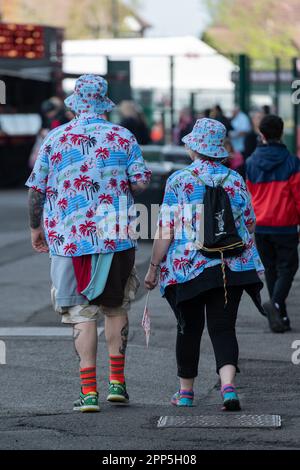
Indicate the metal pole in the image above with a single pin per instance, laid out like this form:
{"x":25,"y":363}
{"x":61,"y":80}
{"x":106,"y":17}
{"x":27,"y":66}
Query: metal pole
{"x":163,"y":120}
{"x":277,"y":85}
{"x":115,"y":17}
{"x":172,"y":94}
{"x":192,"y":105}
{"x":244,"y":88}
{"x":296,"y":108}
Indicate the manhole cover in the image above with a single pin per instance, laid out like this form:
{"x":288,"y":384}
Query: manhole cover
{"x":220,"y":421}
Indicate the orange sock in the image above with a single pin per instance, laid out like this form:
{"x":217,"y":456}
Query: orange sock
{"x":88,"y":380}
{"x":117,"y":366}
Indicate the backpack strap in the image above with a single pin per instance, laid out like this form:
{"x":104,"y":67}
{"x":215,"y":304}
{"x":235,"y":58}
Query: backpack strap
{"x":196,"y":176}
{"x":226,"y":178}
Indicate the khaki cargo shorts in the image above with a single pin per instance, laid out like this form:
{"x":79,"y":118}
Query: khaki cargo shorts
{"x":89,"y":313}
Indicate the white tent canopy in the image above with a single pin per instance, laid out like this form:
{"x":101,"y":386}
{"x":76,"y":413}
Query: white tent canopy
{"x":197,"y":65}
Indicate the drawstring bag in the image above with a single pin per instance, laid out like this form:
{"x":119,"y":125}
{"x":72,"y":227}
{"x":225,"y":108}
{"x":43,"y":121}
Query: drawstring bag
{"x":221,"y":238}
{"x":220,"y":235}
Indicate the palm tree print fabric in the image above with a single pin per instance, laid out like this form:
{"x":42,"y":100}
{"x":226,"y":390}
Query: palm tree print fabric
{"x":80,"y":166}
{"x":183,"y":262}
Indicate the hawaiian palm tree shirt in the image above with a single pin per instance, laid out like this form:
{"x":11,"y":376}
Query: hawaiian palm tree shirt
{"x":185,"y":189}
{"x":82,"y":165}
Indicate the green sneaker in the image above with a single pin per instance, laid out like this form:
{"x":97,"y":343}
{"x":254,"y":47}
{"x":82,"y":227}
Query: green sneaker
{"x":87,"y":403}
{"x":117,"y":393}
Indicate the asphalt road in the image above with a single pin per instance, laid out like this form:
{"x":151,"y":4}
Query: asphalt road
{"x":40,"y":379}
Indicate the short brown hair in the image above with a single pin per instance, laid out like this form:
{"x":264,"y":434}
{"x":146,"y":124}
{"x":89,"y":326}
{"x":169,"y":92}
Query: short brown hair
{"x":272,"y":127}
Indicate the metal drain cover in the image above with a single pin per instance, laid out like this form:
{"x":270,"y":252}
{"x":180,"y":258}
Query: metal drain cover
{"x":220,"y":421}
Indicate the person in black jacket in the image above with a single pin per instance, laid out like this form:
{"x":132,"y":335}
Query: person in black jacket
{"x":217,"y":113}
{"x":273,"y":179}
{"x":133,"y":120}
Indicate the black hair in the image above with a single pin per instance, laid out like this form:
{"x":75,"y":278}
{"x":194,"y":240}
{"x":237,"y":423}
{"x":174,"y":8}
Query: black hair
{"x":266,"y":110}
{"x":47,"y":107}
{"x":272,"y":127}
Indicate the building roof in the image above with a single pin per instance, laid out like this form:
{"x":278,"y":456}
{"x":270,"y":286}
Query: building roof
{"x":187,"y":46}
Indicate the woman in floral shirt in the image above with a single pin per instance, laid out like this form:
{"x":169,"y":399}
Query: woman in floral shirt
{"x":193,"y":283}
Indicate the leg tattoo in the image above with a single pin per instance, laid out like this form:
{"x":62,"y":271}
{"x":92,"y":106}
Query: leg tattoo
{"x":76,"y":334}
{"x":124,"y":338}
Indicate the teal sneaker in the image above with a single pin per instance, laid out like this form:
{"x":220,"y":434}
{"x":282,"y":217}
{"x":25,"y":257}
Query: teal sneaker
{"x":230,"y":397}
{"x":88,"y":403}
{"x":183,"y":398}
{"x":118,"y":393}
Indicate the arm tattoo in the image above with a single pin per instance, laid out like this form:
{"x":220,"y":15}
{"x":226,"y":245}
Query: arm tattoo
{"x":36,"y":206}
{"x":124,"y":338}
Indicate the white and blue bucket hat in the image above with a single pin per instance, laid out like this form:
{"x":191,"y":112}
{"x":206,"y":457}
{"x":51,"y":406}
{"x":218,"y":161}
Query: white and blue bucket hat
{"x":207,"y":138}
{"x":90,"y":96}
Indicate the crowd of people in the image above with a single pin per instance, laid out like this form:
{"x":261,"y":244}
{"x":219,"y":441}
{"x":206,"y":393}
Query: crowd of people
{"x":242,"y":131}
{"x":90,"y":161}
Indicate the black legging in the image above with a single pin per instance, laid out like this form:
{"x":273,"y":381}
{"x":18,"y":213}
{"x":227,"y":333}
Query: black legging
{"x":220,"y":323}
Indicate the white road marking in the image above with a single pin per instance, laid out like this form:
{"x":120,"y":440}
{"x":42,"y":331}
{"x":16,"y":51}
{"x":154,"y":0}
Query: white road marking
{"x":41,"y":332}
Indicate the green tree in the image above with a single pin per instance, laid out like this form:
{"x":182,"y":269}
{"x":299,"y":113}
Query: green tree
{"x":94,"y":19}
{"x":263,"y":29}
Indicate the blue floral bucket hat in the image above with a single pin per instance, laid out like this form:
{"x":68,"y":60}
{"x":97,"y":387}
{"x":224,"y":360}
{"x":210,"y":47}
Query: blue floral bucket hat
{"x":207,"y":138}
{"x":90,"y":96}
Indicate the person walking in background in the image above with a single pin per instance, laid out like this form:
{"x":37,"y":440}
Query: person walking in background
{"x":241,"y":125}
{"x":133,"y":119}
{"x":158,"y":133}
{"x":236,"y":159}
{"x":53,"y":114}
{"x":185,"y":125}
{"x":274,"y":183}
{"x":193,"y":282}
{"x":205,"y":113}
{"x":83,"y":169}
{"x":266,"y":110}
{"x":218,"y":114}
{"x":253,"y":139}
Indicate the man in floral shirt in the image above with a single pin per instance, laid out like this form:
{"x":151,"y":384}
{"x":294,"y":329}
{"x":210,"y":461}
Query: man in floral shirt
{"x":84,"y":169}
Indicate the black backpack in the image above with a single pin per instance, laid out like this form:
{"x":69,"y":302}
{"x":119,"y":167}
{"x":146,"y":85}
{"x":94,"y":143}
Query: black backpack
{"x":221,"y":238}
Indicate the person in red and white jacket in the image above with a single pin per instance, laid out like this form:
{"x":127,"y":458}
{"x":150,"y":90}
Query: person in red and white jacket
{"x":273,"y":179}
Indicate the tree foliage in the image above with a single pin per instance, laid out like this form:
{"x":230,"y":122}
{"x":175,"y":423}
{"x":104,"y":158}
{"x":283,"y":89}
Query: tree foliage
{"x":96,"y":19}
{"x":263,"y":29}
{"x":81,"y":18}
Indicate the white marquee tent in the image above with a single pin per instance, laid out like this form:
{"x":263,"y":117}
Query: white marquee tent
{"x":197,"y":65}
